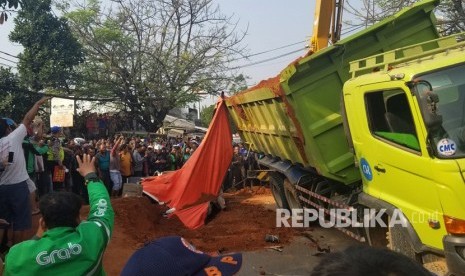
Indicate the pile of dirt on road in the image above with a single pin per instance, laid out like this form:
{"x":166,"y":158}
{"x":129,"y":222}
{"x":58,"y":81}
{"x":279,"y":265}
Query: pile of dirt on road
{"x":242,"y":227}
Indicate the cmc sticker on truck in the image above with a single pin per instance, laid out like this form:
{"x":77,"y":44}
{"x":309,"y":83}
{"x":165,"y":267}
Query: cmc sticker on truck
{"x":446,"y":147}
{"x":366,"y":170}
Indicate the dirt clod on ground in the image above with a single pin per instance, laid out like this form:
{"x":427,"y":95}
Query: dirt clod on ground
{"x":241,"y":227}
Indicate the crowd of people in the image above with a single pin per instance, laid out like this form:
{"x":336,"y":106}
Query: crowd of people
{"x":117,"y":159}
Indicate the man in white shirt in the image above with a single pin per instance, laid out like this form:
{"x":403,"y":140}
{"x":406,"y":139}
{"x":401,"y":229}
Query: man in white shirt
{"x":14,"y":193}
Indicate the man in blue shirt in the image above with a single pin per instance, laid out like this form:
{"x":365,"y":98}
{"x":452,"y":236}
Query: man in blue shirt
{"x":103,"y":165}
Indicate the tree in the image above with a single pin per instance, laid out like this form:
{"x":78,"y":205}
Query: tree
{"x":50,"y":51}
{"x":452,"y":19}
{"x":239,"y":84}
{"x":10,"y":4}
{"x":206,"y":115}
{"x":13,"y":100}
{"x":5,"y":6}
{"x":369,"y":12}
{"x":154,"y":55}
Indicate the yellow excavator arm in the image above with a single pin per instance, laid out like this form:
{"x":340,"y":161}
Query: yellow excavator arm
{"x":326,"y":24}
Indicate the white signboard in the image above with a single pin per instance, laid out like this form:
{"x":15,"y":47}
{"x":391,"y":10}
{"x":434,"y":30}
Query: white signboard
{"x":62,"y":106}
{"x":61,"y":120}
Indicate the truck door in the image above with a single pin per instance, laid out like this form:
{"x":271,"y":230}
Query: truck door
{"x":393,"y":158}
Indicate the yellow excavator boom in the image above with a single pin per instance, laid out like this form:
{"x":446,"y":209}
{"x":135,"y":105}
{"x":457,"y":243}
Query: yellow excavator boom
{"x":326,"y":24}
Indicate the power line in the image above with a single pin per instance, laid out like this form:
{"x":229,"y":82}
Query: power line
{"x":351,"y":29}
{"x":3,"y":64}
{"x":268,"y":51}
{"x":12,"y":61}
{"x":268,"y":59}
{"x":238,"y":67}
{"x":245,"y":57}
{"x":248,"y":56}
{"x":9,"y":54}
{"x":27,"y":91}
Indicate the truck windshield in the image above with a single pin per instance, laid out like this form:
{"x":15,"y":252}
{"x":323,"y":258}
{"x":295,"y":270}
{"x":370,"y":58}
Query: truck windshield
{"x":444,"y":110}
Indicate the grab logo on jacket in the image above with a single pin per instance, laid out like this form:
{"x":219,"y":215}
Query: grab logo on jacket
{"x":102,"y":206}
{"x":45,"y":258}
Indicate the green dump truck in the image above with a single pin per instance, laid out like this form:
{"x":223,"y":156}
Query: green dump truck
{"x":373,"y":122}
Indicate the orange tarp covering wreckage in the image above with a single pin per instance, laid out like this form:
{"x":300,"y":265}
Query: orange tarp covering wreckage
{"x":190,"y":189}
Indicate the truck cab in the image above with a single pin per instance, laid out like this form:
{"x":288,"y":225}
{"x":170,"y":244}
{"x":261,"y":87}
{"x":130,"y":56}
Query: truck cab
{"x":405,"y":118}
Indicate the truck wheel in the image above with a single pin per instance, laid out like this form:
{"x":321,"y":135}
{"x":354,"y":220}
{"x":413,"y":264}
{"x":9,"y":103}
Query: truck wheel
{"x":397,"y":241}
{"x":277,"y":189}
{"x":291,"y":195}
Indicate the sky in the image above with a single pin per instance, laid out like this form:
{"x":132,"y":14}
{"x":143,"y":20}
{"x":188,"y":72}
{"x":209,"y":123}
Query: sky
{"x":271,"y":24}
{"x":6,"y":45}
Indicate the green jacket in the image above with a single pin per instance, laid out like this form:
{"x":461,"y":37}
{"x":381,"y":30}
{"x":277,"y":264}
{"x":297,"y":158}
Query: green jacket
{"x":67,"y":250}
{"x":30,"y":152}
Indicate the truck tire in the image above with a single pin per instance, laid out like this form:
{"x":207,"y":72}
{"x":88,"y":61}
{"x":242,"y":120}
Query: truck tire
{"x":291,"y":195}
{"x":277,"y":189}
{"x":397,"y":241}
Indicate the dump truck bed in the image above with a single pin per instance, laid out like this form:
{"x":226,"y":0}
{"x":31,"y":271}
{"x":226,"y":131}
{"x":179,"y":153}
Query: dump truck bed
{"x":296,"y":116}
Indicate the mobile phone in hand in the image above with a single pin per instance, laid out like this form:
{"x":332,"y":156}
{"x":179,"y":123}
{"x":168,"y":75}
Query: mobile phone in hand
{"x":11,"y":157}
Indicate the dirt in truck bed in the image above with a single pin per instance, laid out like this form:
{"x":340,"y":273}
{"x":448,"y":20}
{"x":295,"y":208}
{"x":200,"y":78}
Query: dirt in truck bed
{"x":242,"y":227}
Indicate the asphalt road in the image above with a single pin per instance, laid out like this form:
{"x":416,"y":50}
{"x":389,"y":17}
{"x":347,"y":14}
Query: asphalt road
{"x":297,"y":258}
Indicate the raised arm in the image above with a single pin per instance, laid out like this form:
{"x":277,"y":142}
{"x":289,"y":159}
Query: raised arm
{"x":27,"y":120}
{"x":117,"y":143}
{"x":101,"y":210}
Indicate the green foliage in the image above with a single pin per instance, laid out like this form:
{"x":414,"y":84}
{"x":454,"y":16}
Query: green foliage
{"x":13,"y":99}
{"x":50,"y":50}
{"x":6,"y":5}
{"x":206,"y":115}
{"x":10,"y":4}
{"x":239,"y":84}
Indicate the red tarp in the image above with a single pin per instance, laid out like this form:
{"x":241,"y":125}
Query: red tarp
{"x":191,"y":188}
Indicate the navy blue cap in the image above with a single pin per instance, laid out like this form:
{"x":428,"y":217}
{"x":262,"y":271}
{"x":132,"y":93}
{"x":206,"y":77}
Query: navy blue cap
{"x":55,"y":129}
{"x":9,"y":121}
{"x":174,"y":256}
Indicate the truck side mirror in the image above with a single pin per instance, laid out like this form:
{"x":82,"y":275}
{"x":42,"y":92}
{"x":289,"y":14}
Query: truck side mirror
{"x":428,"y":104}
{"x":428,"y":101}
